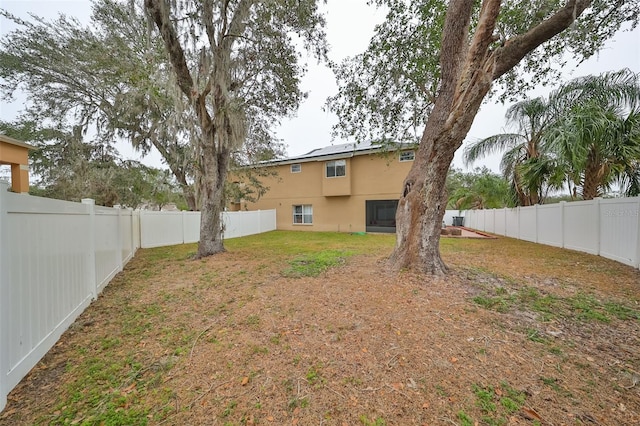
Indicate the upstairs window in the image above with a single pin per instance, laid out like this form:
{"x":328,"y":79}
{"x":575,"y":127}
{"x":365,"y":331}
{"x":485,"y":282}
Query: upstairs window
{"x":296,"y":168}
{"x":336,"y":168}
{"x":407,"y":156}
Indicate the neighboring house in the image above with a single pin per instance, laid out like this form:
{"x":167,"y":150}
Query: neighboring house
{"x":344,"y":188}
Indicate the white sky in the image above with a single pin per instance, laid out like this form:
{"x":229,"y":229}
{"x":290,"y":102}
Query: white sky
{"x":350,"y":25}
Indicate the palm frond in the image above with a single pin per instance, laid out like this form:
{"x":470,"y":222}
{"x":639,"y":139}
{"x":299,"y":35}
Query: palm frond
{"x":491,"y":145}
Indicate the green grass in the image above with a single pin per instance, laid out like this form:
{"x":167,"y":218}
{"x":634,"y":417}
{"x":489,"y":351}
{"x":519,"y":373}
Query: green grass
{"x":292,"y":243}
{"x":485,"y":398}
{"x":314,"y":375}
{"x":496,"y":303}
{"x":378,"y":421}
{"x":313,"y":264}
{"x":465,"y":419}
{"x":580,"y":307}
{"x":496,"y":404}
{"x":621,"y":311}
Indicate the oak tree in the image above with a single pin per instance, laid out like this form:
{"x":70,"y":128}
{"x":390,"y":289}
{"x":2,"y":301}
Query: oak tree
{"x":432,"y":63}
{"x":108,"y":77}
{"x":236,"y":64}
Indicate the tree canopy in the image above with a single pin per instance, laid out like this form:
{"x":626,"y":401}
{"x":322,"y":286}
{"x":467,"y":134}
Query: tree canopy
{"x":388,"y":91}
{"x":67,"y":166}
{"x":108,"y":77}
{"x":595,"y":136}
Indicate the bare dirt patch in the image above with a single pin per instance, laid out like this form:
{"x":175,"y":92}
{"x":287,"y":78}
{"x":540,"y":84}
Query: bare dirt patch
{"x":517,"y":334}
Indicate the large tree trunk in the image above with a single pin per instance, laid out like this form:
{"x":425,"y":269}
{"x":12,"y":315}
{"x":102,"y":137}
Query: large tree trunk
{"x":466,"y":79}
{"x":467,"y":70}
{"x":424,"y":199}
{"x":212,"y":179}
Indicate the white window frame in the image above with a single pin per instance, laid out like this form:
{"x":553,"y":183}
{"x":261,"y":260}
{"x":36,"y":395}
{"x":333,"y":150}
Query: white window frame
{"x":334,"y":165}
{"x":297,"y":166}
{"x":303,"y":213}
{"x":404,"y":154}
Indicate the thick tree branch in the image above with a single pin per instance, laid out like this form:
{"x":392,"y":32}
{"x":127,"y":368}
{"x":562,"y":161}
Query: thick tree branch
{"x":454,"y":44}
{"x":207,"y":21}
{"x":517,"y":47}
{"x":483,"y":36}
{"x":159,"y":12}
{"x":238,"y":22}
{"x":476,"y":63}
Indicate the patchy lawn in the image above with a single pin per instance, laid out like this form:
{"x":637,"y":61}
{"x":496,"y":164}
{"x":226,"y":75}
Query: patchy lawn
{"x":309,"y":328}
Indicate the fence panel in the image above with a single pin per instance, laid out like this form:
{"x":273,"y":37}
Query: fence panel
{"x":490,"y":221}
{"x":609,"y":227}
{"x":528,"y":225}
{"x":126,"y":235}
{"x":513,"y":222}
{"x":239,"y":224}
{"x":619,"y":220}
{"x":471,"y":219}
{"x":169,"y":228}
{"x":108,"y":248}
{"x":480,"y":220}
{"x":581,"y":226}
{"x":161,"y":229}
{"x":46,"y":279}
{"x":549,"y":224}
{"x":135,"y":226}
{"x":268,"y":221}
{"x":500,"y":226}
{"x":56,"y":256}
{"x":191,"y":226}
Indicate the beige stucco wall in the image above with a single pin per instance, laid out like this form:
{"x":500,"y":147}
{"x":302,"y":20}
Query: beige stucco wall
{"x":368,"y":177}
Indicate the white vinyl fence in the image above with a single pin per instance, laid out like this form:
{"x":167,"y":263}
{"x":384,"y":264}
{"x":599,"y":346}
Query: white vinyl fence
{"x":605,"y":227}
{"x":169,"y":228}
{"x":57,"y":256}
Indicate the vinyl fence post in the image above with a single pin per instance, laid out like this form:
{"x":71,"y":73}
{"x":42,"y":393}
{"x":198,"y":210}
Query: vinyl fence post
{"x":536,"y":221}
{"x":119,"y":238}
{"x":638,"y":236}
{"x":131,"y":230}
{"x":92,"y":285}
{"x":184,"y":226}
{"x":504,"y":210}
{"x":562,"y":225}
{"x":4,"y":299}
{"x":596,"y":206}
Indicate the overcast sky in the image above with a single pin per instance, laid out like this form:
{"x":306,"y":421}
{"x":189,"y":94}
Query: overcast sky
{"x":350,"y":25}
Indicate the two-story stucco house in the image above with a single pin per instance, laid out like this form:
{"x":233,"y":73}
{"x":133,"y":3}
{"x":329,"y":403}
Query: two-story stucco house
{"x":344,"y":188}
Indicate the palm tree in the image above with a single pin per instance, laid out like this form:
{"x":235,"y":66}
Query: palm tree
{"x":521,"y":150}
{"x":596,"y":136}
